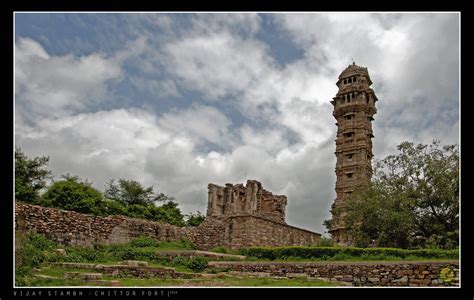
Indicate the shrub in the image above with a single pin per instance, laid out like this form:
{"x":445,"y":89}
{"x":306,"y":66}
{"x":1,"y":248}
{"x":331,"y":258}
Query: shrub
{"x":325,"y":242}
{"x":197,"y":264}
{"x":31,"y":250}
{"x":344,"y":253}
{"x":81,"y":254}
{"x":218,"y":250}
{"x":144,"y":241}
{"x":122,"y":252}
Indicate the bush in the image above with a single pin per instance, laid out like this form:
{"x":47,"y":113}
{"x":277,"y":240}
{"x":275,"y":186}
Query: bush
{"x":122,"y":252}
{"x":73,"y":194}
{"x":325,"y":242}
{"x":218,"y":250}
{"x":197,"y":264}
{"x":82,"y":255}
{"x":31,"y":250}
{"x":144,"y":241}
{"x":344,"y":253}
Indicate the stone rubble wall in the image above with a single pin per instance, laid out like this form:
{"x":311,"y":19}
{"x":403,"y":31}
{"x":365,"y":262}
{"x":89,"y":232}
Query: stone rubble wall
{"x":72,"y":228}
{"x":209,"y":234}
{"x":420,"y":273}
{"x":249,"y":231}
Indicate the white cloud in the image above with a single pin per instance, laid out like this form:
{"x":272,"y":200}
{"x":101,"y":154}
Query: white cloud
{"x":217,"y":64}
{"x":201,"y":124}
{"x":57,"y":86}
{"x":99,"y":146}
{"x":237,"y":23}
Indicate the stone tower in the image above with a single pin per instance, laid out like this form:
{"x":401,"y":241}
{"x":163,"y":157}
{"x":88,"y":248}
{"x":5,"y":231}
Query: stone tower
{"x":354,"y":107}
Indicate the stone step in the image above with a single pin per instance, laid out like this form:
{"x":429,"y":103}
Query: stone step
{"x":135,"y":263}
{"x":45,"y":276}
{"x":194,"y":253}
{"x":83,"y":276}
{"x":106,"y":282}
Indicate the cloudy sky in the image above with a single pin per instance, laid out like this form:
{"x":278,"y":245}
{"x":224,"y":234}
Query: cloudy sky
{"x":180,"y":100}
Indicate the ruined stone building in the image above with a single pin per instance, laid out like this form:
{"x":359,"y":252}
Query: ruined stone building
{"x":251,"y":199}
{"x":354,"y":107}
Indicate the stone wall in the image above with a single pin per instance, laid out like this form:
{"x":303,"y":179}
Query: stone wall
{"x":210,"y":234}
{"x":247,"y":231}
{"x":72,"y":228}
{"x":423,"y":273}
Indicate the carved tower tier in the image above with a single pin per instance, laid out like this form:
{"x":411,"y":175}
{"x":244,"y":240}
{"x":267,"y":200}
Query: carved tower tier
{"x":354,"y":107}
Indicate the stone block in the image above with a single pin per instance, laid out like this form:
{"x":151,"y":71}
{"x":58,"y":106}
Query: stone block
{"x":373,"y":279}
{"x":135,"y":263}
{"x":60,"y":251}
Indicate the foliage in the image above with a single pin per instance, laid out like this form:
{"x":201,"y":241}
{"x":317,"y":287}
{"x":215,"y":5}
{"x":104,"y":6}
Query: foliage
{"x":218,"y":250}
{"x":194,"y":219}
{"x":30,"y":176}
{"x":72,"y":193}
{"x":130,"y":198}
{"x":144,"y":241}
{"x":110,"y":207}
{"x":343,"y":252}
{"x":325,"y":242}
{"x":412,"y":201}
{"x":197,"y":264}
{"x":168,"y":212}
{"x":31,"y":250}
{"x":131,"y":192}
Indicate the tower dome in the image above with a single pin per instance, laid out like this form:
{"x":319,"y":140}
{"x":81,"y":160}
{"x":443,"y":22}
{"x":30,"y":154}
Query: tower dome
{"x":354,"y":70}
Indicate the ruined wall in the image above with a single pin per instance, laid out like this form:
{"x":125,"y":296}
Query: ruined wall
{"x":248,"y":231}
{"x":358,"y":273}
{"x":249,"y":199}
{"x":72,"y":228}
{"x":209,"y":234}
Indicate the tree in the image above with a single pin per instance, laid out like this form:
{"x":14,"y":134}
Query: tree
{"x":130,"y":192}
{"x":413,"y":197}
{"x":138,"y":201}
{"x":71,"y":193}
{"x":168,"y":212}
{"x":30,"y":176}
{"x":194,"y":219}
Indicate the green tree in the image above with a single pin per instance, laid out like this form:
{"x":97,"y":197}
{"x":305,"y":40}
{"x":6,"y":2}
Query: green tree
{"x":169,"y":212}
{"x":130,"y":192}
{"x":71,"y":193}
{"x":413,"y":197}
{"x":194,"y":219}
{"x":30,"y":176}
{"x":136,"y":201}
